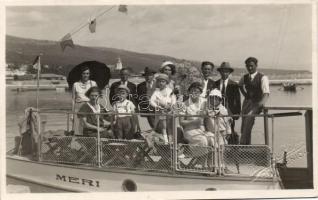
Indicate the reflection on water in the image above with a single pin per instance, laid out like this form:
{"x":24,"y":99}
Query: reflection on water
{"x":289,"y":132}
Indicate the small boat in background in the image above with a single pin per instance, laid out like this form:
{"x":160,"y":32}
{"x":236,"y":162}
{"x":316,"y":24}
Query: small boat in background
{"x":289,"y":86}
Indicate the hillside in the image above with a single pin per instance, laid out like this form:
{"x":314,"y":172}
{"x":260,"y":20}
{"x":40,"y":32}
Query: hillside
{"x":24,"y":51}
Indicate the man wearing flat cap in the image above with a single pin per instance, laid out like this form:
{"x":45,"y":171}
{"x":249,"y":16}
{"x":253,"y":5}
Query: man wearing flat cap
{"x":230,"y":91}
{"x":144,"y":92}
{"x":255,"y":88}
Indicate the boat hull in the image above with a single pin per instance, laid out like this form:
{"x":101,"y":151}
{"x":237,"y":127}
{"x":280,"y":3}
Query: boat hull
{"x":89,"y":179}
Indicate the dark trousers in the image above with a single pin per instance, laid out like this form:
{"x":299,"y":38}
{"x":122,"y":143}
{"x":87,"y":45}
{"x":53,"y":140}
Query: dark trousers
{"x":123,"y":128}
{"x":248,"y":121}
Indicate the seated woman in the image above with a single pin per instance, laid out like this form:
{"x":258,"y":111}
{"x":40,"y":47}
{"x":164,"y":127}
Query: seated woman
{"x":194,"y":131}
{"x":90,"y":120}
{"x":193,"y":126}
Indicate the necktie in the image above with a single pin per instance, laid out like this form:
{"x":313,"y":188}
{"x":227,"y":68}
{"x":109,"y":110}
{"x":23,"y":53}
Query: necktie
{"x":223,"y":88}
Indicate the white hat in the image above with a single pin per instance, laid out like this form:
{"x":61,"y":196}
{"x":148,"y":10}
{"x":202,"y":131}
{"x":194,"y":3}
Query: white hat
{"x":165,"y":63}
{"x":215,"y":92}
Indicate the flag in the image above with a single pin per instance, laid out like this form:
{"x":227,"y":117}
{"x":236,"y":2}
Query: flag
{"x":92,"y":26}
{"x":36,"y":63}
{"x":123,"y":8}
{"x":66,"y":41}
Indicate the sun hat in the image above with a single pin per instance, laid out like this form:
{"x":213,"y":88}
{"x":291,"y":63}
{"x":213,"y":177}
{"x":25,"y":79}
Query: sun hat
{"x":170,"y":64}
{"x":165,"y":63}
{"x":123,"y":87}
{"x":225,"y":66}
{"x":162,"y":76}
{"x":216,"y":92}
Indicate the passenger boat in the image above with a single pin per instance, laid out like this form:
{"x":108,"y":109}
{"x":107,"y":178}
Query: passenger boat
{"x":89,"y":164}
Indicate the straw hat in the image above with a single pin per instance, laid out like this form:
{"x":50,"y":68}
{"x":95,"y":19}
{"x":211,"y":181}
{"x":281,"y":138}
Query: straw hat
{"x":225,"y":66}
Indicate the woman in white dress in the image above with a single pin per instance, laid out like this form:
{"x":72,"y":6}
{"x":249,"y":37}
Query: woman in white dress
{"x":78,"y":97}
{"x":193,"y":127}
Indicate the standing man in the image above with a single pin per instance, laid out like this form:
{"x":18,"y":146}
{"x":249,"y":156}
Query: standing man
{"x":208,"y":84}
{"x":255,"y":88}
{"x":230,"y":92}
{"x":124,"y":75}
{"x":144,"y":92}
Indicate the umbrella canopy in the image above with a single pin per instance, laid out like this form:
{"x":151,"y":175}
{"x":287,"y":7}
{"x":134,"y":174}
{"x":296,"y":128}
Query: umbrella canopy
{"x":99,"y":72}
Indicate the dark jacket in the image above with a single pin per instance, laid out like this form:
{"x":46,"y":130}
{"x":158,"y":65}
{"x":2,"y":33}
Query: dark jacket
{"x":232,"y":97}
{"x":132,"y":96}
{"x":211,"y":85}
{"x":142,"y":97}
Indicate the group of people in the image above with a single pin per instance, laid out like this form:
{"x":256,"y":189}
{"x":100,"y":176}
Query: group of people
{"x":208,"y":107}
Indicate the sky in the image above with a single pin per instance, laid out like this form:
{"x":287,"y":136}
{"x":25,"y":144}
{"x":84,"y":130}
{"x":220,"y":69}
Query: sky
{"x":278,"y":35}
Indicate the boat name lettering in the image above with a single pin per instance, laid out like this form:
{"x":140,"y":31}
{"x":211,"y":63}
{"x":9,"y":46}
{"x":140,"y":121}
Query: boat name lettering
{"x":76,"y":180}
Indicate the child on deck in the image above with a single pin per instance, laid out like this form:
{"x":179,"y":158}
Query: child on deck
{"x":218,"y":124}
{"x":124,"y":124}
{"x":162,"y":100}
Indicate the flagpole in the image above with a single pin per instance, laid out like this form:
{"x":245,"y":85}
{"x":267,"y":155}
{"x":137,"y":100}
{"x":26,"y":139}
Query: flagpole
{"x":38,"y":83}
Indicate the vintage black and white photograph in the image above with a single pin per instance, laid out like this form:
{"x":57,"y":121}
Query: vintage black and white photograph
{"x":158,"y":97}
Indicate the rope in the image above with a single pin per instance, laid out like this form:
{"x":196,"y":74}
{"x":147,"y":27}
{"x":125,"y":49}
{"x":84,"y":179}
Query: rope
{"x":81,"y":26}
{"x":282,"y":31}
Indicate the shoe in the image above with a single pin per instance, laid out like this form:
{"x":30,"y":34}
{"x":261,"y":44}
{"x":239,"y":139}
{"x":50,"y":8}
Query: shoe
{"x":181,"y":156}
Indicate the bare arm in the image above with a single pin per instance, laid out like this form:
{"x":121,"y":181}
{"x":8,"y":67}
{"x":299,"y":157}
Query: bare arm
{"x":89,"y":125}
{"x":187,"y":122}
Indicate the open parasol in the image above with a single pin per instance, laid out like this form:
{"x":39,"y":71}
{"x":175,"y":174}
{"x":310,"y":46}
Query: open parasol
{"x":99,"y":72}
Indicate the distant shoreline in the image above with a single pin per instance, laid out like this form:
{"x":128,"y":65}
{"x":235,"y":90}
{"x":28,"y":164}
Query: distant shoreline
{"x":31,"y":85}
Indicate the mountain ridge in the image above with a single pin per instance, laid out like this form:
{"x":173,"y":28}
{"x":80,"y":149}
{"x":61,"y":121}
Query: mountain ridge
{"x":24,"y":50}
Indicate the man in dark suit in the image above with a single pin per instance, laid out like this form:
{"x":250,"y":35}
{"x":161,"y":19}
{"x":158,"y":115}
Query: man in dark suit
{"x":144,"y":92}
{"x":208,"y":84}
{"x":230,"y":91}
{"x":124,"y":75}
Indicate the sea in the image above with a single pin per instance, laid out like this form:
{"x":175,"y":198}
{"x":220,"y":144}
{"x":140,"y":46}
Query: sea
{"x":288,"y":132}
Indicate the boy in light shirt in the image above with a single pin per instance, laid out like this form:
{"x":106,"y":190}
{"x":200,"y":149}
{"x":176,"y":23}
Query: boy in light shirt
{"x":124,"y":124}
{"x":162,"y":100}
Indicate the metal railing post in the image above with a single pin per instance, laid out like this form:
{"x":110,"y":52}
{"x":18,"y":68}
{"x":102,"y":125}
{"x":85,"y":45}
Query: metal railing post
{"x":175,"y":144}
{"x":68,"y":122}
{"x":265,"y":110}
{"x":217,"y":145}
{"x":39,"y":137}
{"x":98,"y":143}
{"x":309,"y":142}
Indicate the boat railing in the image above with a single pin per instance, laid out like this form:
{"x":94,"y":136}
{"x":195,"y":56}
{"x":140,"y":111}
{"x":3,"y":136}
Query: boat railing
{"x":148,"y":153}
